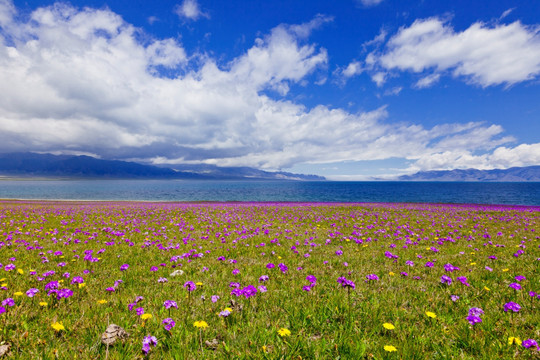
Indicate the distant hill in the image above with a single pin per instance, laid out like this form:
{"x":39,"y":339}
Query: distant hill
{"x":515,"y":174}
{"x":48,"y":165}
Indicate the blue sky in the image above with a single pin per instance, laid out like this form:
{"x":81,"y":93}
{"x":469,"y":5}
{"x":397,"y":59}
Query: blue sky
{"x":347,"y":89}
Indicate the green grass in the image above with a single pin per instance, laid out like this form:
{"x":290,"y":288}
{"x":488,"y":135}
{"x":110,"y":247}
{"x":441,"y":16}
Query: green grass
{"x":325,"y":323}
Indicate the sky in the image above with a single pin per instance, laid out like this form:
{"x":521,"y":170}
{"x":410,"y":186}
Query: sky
{"x":349,"y":89}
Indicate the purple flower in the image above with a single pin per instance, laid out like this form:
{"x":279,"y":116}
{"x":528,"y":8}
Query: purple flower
{"x":463,"y":280}
{"x":306,"y":288}
{"x":262,"y":288}
{"x":475,"y":311}
{"x":429,"y":264}
{"x":8,"y":302}
{"x":409,"y":263}
{"x":283,"y":268}
{"x":446,"y":280}
{"x":473,"y":319}
{"x":515,"y":286}
{"x":2,"y":310}
{"x":450,"y":268}
{"x":77,"y":280}
{"x":339,"y":252}
{"x":147,"y":341}
{"x":346,"y":283}
{"x":249,"y":291}
{"x":124,"y":267}
{"x":529,"y":343}
{"x":515,"y":307}
{"x":236,"y":272}
{"x":454,"y":298}
{"x":263,"y":278}
{"x":168,"y":324}
{"x":154,"y":268}
{"x":65,"y":293}
{"x":224,"y":313}
{"x":311,"y":278}
{"x":520,"y":278}
{"x":32,"y":292}
{"x":139,"y":311}
{"x":190,"y":285}
{"x":110,"y":289}
{"x":488,"y":268}
{"x":404,"y":274}
{"x":372,"y":277}
{"x":270,"y":266}
{"x":162,"y":280}
{"x":234,"y":284}
{"x":169,"y":304}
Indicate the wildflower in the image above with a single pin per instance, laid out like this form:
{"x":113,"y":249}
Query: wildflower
{"x":147,"y":341}
{"x":284,"y":332}
{"x":515,"y":286}
{"x":190,"y":286}
{"x":429,"y":264}
{"x":236,"y":272}
{"x":214,"y":298}
{"x":146,"y":316}
{"x":263,"y":278}
{"x":8,"y":302}
{"x":473,"y":319}
{"x":249,"y":291}
{"x":226,"y":312}
{"x":388,"y":326}
{"x":346,"y":283}
{"x":57,"y":326}
{"x":486,"y":288}
{"x":168,"y":324}
{"x":389,"y":348}
{"x":170,"y":303}
{"x":162,"y":280}
{"x":262,"y":288}
{"x":529,"y":343}
{"x":476,"y":311}
{"x":520,"y":278}
{"x":101,"y":302}
{"x":431,"y":314}
{"x":446,"y":280}
{"x":139,"y":311}
{"x":515,"y":307}
{"x":124,"y":267}
{"x":454,"y":298}
{"x":514,"y":340}
{"x":18,"y":293}
{"x":20,"y":271}
{"x":311,"y":278}
{"x":81,"y":285}
{"x":110,"y":289}
{"x":43,"y":303}
{"x":372,"y":277}
{"x":463,"y":280}
{"x":177,"y":273}
{"x":200,"y":324}
{"x":32,"y":292}
{"x":306,"y":288}
{"x":409,"y":263}
{"x":270,"y":266}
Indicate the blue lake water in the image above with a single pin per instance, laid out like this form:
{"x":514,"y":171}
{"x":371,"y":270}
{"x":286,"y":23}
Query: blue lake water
{"x":327,"y":191}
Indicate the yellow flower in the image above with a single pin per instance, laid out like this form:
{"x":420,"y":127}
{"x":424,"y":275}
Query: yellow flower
{"x":43,"y":303}
{"x":58,"y":326}
{"x":505,"y":270}
{"x":388,"y":326}
{"x":81,"y":285}
{"x":102,"y":301}
{"x":4,"y":285}
{"x":514,"y":340}
{"x":391,"y":273}
{"x":486,"y":288}
{"x":284,"y":332}
{"x":3,"y":279}
{"x":198,"y":283}
{"x":20,"y":271}
{"x":431,"y":314}
{"x":473,"y":263}
{"x":18,"y":293}
{"x":200,"y":324}
{"x":389,"y":348}
{"x":228,"y":309}
{"x":146,"y":316}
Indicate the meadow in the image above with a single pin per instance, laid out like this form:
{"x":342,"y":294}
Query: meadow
{"x":269,"y":281}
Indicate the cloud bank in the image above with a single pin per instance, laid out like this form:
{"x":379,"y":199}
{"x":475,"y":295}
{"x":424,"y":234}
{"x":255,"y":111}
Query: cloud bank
{"x":85,"y":81}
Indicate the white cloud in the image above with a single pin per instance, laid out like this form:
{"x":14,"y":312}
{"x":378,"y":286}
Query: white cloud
{"x":190,"y":9}
{"x":427,"y":81}
{"x":82,"y":81}
{"x":484,"y":55}
{"x":370,"y":3}
{"x":354,"y":68}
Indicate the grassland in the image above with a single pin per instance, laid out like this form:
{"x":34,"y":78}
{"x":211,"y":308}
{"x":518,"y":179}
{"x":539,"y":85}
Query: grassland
{"x":269,"y":281}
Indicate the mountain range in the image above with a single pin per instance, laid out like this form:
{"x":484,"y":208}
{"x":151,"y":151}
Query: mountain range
{"x":514,"y":174}
{"x":82,"y":166}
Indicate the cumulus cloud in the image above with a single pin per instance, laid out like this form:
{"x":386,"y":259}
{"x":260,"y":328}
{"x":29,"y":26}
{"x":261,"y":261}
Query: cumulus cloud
{"x":190,"y":9}
{"x":85,"y":81}
{"x":482,"y":54}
